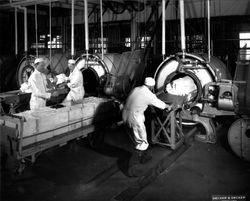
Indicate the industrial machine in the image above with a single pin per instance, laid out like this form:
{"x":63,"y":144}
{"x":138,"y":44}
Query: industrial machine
{"x":239,"y":131}
{"x":205,"y":91}
{"x":201,"y":86}
{"x":107,"y":77}
{"x":197,"y":85}
{"x":114,"y":75}
{"x":25,"y":133}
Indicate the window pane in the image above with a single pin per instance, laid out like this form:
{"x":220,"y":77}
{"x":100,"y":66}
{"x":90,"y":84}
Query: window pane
{"x":245,"y":46}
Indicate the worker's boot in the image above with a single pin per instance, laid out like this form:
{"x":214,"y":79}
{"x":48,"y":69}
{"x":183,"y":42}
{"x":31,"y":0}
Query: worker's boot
{"x":144,"y":157}
{"x":135,"y":158}
{"x":139,"y":157}
{"x":133,"y":164}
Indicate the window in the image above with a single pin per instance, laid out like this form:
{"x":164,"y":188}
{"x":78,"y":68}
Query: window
{"x":40,"y":44}
{"x":128,"y":42}
{"x":144,"y":41}
{"x":56,"y":42}
{"x":96,"y":45}
{"x":244,"y":53}
{"x":196,"y":43}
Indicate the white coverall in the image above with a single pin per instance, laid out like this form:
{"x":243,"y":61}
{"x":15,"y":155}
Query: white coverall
{"x":76,"y":86}
{"x":38,"y":85}
{"x":133,"y":113}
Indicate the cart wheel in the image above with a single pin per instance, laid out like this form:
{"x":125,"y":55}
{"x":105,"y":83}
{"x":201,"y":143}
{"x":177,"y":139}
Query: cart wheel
{"x":14,"y":167}
{"x":96,"y":139}
{"x":20,"y":168}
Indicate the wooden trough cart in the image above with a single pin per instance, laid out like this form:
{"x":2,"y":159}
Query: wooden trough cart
{"x":25,"y":134}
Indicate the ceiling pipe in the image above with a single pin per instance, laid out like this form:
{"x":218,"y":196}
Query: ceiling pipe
{"x":182,"y":21}
{"x":50,"y":37}
{"x":16,"y":35}
{"x":86,"y":27}
{"x":72,"y":29}
{"x":208,"y":31}
{"x":36,"y":30}
{"x":25,"y":29}
{"x":101,"y":26}
{"x":163,"y":29}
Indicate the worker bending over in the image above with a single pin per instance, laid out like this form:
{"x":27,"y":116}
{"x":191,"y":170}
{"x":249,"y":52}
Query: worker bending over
{"x":38,"y":85}
{"x":75,"y":83}
{"x":133,"y":117}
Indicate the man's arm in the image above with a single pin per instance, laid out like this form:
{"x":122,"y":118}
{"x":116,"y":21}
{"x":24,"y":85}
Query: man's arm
{"x":159,"y":103}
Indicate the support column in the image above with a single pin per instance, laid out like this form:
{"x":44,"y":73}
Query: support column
{"x":133,"y":31}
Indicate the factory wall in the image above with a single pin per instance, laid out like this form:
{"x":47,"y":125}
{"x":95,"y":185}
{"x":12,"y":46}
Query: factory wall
{"x":225,"y":30}
{"x":193,"y":9}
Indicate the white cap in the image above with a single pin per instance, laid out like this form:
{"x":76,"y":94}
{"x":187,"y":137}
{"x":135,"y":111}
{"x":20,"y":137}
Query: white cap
{"x":149,"y":81}
{"x":71,"y":61}
{"x":38,"y":60}
{"x":81,"y":64}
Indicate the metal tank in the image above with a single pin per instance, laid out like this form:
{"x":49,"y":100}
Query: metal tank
{"x":58,"y":64}
{"x":242,"y":80}
{"x":239,"y":132}
{"x":114,"y":75}
{"x":95,"y":71}
{"x":186,"y":75}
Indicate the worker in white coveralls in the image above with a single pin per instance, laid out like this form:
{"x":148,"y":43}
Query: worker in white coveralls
{"x":133,"y":117}
{"x":75,"y":83}
{"x":38,"y":85}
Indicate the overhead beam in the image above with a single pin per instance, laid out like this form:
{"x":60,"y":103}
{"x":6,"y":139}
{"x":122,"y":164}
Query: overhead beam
{"x":68,"y":6}
{"x":29,"y":2}
{"x":79,"y":4}
{"x":23,"y":3}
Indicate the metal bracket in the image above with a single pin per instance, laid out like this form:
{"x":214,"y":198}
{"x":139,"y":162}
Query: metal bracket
{"x":166,"y":130}
{"x":207,"y":123}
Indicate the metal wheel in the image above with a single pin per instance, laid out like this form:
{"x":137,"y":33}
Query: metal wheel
{"x":239,"y":138}
{"x":25,"y":69}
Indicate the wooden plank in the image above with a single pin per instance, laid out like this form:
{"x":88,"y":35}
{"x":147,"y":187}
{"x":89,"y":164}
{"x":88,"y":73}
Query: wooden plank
{"x":57,"y":140}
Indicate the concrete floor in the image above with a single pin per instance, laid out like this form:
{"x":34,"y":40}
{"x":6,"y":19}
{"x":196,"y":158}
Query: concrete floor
{"x":76,"y":172}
